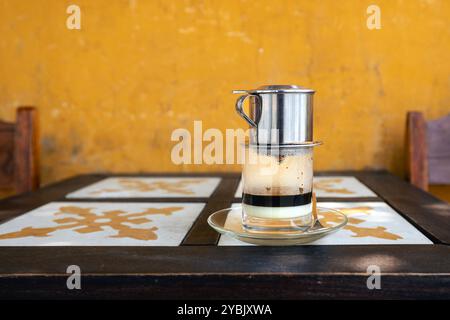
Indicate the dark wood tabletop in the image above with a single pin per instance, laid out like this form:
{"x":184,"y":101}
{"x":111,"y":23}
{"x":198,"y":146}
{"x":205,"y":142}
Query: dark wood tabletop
{"x":198,"y":268}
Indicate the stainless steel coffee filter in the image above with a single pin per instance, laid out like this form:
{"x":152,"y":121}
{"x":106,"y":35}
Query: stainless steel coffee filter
{"x":279,"y":114}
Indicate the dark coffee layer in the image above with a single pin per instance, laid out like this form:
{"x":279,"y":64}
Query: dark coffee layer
{"x":277,"y":201}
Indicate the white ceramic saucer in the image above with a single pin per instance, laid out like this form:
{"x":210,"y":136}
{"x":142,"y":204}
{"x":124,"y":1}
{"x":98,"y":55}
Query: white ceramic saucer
{"x":229,"y":222}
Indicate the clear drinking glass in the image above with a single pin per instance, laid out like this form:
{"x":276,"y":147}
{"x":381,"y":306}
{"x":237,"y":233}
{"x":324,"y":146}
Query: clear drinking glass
{"x":277,"y":188}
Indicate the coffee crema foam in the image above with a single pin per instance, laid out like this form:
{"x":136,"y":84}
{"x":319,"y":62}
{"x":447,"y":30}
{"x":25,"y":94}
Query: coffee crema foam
{"x":289,"y":174}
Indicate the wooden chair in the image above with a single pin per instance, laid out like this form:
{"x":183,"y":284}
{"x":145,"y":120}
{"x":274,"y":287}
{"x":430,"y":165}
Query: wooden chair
{"x":428,"y":151}
{"x":19,"y":156}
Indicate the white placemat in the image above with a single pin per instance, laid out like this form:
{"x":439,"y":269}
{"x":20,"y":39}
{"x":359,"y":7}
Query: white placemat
{"x":334,"y":186}
{"x":341,"y":187}
{"x":143,"y":187}
{"x":369,"y":223}
{"x":101,"y":224}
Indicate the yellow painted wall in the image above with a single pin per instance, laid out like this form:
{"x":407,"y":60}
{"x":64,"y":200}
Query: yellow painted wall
{"x":111,"y":93}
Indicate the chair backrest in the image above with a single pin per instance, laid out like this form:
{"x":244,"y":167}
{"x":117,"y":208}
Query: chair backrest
{"x":438,"y":135}
{"x":427,"y":150}
{"x":19,"y":153}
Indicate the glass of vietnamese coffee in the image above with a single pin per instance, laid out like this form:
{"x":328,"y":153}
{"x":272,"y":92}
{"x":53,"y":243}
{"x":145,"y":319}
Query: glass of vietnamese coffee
{"x":277,"y":188}
{"x":278,"y":167}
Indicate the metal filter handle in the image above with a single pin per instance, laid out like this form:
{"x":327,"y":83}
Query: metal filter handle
{"x":240,"y":107}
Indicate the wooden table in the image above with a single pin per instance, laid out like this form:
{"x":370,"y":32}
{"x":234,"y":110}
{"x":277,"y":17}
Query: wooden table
{"x":200,"y":269}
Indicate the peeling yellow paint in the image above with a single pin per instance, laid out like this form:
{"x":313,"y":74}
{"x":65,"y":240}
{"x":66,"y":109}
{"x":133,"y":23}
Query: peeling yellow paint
{"x":111,"y":93}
